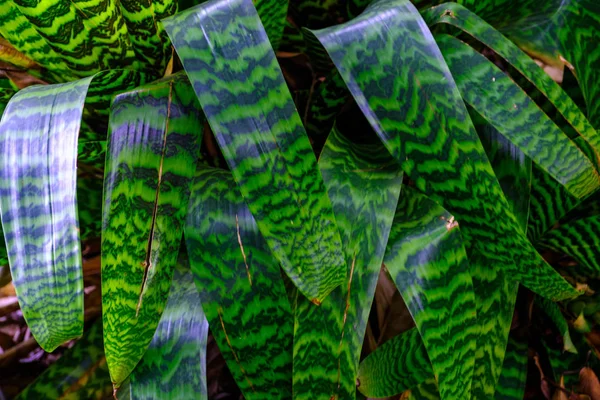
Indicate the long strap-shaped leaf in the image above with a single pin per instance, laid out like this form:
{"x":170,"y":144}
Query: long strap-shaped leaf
{"x":553,"y":311}
{"x":426,"y":258}
{"x":514,"y":114}
{"x":80,"y":374}
{"x":38,"y":148}
{"x":460,"y":17}
{"x":511,"y":384}
{"x":419,"y":115}
{"x":241,"y":287}
{"x":246,"y":101}
{"x":398,"y":365}
{"x":174,"y":366}
{"x":151,"y":159}
{"x":363,"y":182}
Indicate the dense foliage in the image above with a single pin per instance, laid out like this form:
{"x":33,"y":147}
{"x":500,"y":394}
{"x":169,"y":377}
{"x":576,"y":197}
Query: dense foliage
{"x":360,"y":199}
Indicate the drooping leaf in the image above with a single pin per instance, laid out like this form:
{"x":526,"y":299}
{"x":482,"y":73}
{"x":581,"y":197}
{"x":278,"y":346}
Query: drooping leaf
{"x":399,"y":364}
{"x":174,"y":366}
{"x":244,"y":96}
{"x":460,"y":17}
{"x":514,"y":114}
{"x":152,"y":150}
{"x":511,"y":384}
{"x":426,"y":258}
{"x":419,"y":115}
{"x":241,"y":287}
{"x":80,"y":374}
{"x":363,"y":183}
{"x":38,"y":148}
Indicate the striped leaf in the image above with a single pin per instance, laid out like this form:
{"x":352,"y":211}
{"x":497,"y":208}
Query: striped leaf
{"x":273,"y":15}
{"x":443,"y":156}
{"x":80,"y":374}
{"x":151,"y":159}
{"x":364,"y":183}
{"x":38,"y":201}
{"x":460,"y":17}
{"x":426,"y":258}
{"x":174,"y":366}
{"x":514,"y":114}
{"x":241,"y":287}
{"x":552,"y":310}
{"x":427,"y":390}
{"x":399,"y":364}
{"x":244,"y":96}
{"x":511,"y":384}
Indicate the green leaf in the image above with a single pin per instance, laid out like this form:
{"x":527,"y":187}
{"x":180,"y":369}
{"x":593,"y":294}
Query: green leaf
{"x":148,"y":38}
{"x":174,"y":366}
{"x":511,"y":384}
{"x":38,"y":201}
{"x":273,"y":15}
{"x":87,"y":37}
{"x":153,"y":147}
{"x":442,"y":155}
{"x":363,"y":183}
{"x":458,"y":16}
{"x":399,"y":364}
{"x":514,"y":114}
{"x":427,"y":390}
{"x":580,"y":239}
{"x":241,"y":287}
{"x":80,"y":374}
{"x":426,"y":258}
{"x":244,"y":96}
{"x":512,"y":168}
{"x":553,"y":311}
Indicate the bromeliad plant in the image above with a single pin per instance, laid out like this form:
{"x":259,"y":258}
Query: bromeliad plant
{"x":214,"y":211}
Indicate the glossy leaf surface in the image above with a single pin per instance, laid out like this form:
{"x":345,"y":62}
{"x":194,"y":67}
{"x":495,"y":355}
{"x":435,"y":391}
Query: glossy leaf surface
{"x":249,"y":108}
{"x":152,"y":150}
{"x":426,"y":258}
{"x":38,"y":145}
{"x":174,"y":366}
{"x":241,"y":287}
{"x":363,"y":182}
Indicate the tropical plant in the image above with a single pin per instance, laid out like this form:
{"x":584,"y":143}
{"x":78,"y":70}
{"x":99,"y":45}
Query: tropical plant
{"x":293,"y":176}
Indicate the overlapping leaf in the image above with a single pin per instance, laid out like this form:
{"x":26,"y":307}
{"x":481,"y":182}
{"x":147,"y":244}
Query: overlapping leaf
{"x":152,"y":151}
{"x":241,"y":287}
{"x":426,"y":258}
{"x":511,"y":384}
{"x":363,"y":182}
{"x":174,"y":366}
{"x":421,"y":119}
{"x":80,"y":374}
{"x":508,"y":108}
{"x":243,"y":94}
{"x":39,"y":131}
{"x":399,"y":364}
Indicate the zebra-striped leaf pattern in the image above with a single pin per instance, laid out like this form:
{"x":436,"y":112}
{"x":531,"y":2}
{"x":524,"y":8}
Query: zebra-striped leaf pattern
{"x":80,"y":374}
{"x":174,"y":366}
{"x":514,"y":114}
{"x":152,"y":150}
{"x":511,"y":384}
{"x":244,"y":96}
{"x":38,"y":202}
{"x":241,"y":287}
{"x":426,"y":258}
{"x":399,"y":364}
{"x":441,"y":154}
{"x":552,"y":310}
{"x":363,"y":182}
{"x":460,"y":17}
